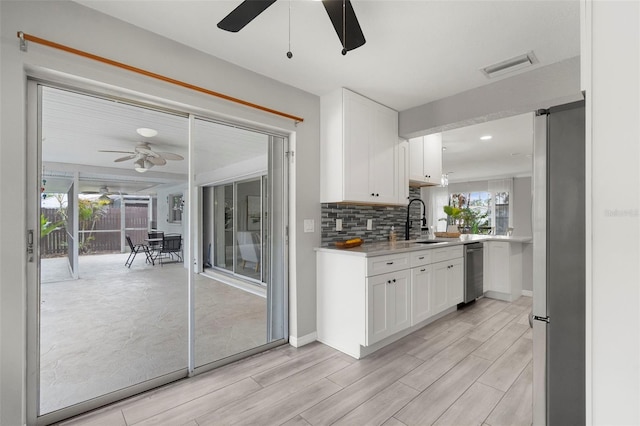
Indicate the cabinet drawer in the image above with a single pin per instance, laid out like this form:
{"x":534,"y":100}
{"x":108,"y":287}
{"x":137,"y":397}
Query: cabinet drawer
{"x":383,"y":264}
{"x":420,"y":258}
{"x":440,"y":255}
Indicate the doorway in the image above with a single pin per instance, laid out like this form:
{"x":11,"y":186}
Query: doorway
{"x":118,"y":325}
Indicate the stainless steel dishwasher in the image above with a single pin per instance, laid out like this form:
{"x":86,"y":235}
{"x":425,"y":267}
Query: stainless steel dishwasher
{"x":473,"y":271}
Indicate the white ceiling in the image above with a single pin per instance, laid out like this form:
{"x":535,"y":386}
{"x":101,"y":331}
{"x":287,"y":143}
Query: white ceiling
{"x":506,"y":154}
{"x":76,"y":127}
{"x":416,"y":52}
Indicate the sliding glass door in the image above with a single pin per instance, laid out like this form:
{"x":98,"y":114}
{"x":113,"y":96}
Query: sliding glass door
{"x":101,"y":329}
{"x":239,"y":231}
{"x":237,"y":241}
{"x":108,"y":321}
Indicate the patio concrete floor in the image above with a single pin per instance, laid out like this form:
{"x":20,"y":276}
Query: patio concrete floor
{"x":118,"y":326}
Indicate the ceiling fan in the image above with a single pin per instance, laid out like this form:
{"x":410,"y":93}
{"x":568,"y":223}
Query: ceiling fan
{"x":104,"y":194}
{"x":340,"y":12}
{"x":145,"y":158}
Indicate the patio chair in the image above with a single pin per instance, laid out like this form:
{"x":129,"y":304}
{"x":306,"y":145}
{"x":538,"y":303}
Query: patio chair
{"x":155,"y":246}
{"x":171,"y":246}
{"x":135,"y":249}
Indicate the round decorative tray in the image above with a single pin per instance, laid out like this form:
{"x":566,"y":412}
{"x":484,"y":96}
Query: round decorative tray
{"x":447,"y":234}
{"x":354,"y":242}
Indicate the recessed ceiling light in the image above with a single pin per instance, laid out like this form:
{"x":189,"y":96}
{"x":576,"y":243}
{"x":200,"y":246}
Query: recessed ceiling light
{"x":485,"y":137}
{"x":146,"y":132}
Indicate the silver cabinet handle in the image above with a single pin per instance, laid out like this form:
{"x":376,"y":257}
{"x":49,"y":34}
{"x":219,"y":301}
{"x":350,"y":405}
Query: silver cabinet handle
{"x":389,"y":263}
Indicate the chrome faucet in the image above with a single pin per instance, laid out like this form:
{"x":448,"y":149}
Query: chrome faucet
{"x":407,"y":224}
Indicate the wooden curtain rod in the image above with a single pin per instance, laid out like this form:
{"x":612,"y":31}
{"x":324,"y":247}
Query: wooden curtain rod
{"x":28,"y":37}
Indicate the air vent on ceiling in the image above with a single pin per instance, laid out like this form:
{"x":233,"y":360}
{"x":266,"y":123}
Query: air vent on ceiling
{"x":510,"y":65}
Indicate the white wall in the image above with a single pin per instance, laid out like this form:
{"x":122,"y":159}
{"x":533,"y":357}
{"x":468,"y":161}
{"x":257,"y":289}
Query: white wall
{"x":71,"y":24}
{"x":613,"y":177}
{"x":522,"y":200}
{"x":543,"y":87}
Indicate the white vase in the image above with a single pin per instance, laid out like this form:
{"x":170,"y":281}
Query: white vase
{"x":452,"y":228}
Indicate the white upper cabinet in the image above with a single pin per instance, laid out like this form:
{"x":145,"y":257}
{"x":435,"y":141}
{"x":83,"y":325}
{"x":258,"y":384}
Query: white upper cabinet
{"x":359,"y":151}
{"x":403,"y":172}
{"x":426,"y":160}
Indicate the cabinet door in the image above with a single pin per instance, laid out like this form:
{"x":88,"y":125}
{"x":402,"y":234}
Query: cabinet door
{"x":416,"y":161}
{"x":388,"y":305}
{"x":499,"y":267}
{"x":440,"y":301}
{"x":383,"y":155}
{"x":455,"y":282}
{"x":433,"y":158}
{"x":421,"y":293}
{"x":358,"y":134}
{"x":378,"y":320}
{"x":403,"y":172}
{"x":401,"y":289}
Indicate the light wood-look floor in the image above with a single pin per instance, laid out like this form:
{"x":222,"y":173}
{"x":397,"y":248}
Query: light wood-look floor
{"x":471,"y":367}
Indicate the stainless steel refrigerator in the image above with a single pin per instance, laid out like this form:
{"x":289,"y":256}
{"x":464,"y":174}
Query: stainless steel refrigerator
{"x":559,"y":266}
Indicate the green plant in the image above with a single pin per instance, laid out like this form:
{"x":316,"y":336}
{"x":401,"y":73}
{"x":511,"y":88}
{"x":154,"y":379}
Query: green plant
{"x":453,"y":215}
{"x":89,"y":213}
{"x":473,"y":219}
{"x":47,"y":227}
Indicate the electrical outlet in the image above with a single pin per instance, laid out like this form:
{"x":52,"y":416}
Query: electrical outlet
{"x":338,"y":224}
{"x":369,"y":224}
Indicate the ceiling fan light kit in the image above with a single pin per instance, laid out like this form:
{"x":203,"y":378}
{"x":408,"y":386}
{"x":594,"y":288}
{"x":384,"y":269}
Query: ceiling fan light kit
{"x":141,"y":165}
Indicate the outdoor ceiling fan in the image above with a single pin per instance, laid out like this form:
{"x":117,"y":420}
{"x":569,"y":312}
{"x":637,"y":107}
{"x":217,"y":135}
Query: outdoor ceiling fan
{"x":144,"y":157}
{"x":340,"y":13}
{"x":104,"y":194}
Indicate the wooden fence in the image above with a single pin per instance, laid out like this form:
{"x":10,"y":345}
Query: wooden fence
{"x":106,"y":236}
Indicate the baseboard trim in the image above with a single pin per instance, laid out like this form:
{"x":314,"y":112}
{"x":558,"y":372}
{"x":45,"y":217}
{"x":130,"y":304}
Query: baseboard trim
{"x":527,"y":293}
{"x":296,"y":342}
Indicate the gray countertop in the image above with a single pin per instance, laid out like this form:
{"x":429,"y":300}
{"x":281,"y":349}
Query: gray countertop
{"x":401,"y":246}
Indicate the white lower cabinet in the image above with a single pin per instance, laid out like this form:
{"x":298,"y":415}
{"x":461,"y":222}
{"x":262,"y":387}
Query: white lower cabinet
{"x":388,"y":305}
{"x":503,"y":270}
{"x":364,"y":300}
{"x":455,"y":282}
{"x":448,"y":277}
{"x":422,"y":285}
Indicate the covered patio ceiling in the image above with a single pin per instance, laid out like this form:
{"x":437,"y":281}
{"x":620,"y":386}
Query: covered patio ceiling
{"x":77,"y":127}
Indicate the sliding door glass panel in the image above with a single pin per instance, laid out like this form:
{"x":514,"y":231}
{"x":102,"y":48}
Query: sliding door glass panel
{"x":231,"y":295}
{"x":223,"y":226}
{"x":106,"y":329}
{"x":249,"y":229}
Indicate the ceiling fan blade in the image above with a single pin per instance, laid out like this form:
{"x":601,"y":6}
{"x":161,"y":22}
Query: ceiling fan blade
{"x":354,"y":37}
{"x":243,"y":14}
{"x":170,"y":156}
{"x":158,"y":161}
{"x":128,"y":157}
{"x":119,"y":152}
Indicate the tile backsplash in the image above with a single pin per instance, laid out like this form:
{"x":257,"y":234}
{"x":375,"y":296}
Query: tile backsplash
{"x":354,"y":221}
